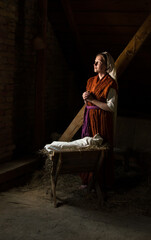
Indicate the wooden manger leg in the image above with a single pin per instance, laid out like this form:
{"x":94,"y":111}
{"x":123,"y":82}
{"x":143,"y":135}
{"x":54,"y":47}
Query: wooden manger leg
{"x":94,"y":182}
{"x":53,"y":190}
{"x":54,"y":178}
{"x":99,"y":194}
{"x":96,"y":177}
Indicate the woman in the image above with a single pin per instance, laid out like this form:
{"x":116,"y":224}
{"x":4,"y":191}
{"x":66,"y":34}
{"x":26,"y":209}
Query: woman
{"x":100,"y":99}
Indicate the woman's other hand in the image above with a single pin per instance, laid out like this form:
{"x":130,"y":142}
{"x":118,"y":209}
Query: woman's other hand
{"x":85,"y":95}
{"x":90,"y":97}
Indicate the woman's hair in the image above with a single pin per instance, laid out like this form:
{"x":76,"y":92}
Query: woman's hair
{"x":104,"y":57}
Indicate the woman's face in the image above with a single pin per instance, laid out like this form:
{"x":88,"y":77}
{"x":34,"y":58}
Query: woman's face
{"x":99,"y":64}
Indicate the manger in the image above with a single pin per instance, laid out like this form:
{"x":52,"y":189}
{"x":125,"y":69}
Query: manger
{"x":69,"y":161}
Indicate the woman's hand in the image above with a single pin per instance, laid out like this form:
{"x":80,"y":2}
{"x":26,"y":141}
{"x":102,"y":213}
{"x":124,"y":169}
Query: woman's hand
{"x":87,"y":96}
{"x":90,"y":97}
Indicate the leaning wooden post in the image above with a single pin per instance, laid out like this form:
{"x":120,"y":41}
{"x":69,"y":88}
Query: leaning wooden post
{"x":133,"y":46}
{"x":121,"y":63}
{"x":73,"y":127}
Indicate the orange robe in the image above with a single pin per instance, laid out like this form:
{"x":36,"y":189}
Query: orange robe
{"x":101,"y":122}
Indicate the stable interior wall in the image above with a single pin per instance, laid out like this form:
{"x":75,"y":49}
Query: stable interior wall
{"x":17,"y":81}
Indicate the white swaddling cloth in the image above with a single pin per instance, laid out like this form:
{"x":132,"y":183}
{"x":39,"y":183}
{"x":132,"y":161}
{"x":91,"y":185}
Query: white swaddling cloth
{"x":77,"y":144}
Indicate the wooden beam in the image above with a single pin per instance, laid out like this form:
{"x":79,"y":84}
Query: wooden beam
{"x":110,"y":18}
{"x":133,"y":46}
{"x":73,"y":127}
{"x":111,"y":5}
{"x":121,"y":63}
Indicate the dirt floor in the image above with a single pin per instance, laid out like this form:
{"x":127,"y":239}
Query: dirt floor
{"x":28,"y":213}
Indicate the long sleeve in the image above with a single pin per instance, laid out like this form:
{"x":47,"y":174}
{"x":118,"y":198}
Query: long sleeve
{"x":112,"y":99}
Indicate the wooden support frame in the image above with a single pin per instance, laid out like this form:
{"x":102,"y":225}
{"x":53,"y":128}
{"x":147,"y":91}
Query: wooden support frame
{"x":121,"y":63}
{"x":75,"y":162}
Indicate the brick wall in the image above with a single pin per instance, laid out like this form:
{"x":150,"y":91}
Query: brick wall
{"x":17,"y":76}
{"x":24,"y":76}
{"x":8,"y":20}
{"x":17,"y":80}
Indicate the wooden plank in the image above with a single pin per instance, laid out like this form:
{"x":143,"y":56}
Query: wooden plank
{"x":73,"y":127}
{"x":70,"y":17}
{"x":101,"y":19}
{"x":110,"y":5}
{"x":132,"y":48}
{"x":73,"y":26}
{"x":115,"y":29}
{"x":95,"y":29}
{"x":110,"y":18}
{"x":14,"y":169}
{"x":121,"y":63}
{"x":100,"y":39}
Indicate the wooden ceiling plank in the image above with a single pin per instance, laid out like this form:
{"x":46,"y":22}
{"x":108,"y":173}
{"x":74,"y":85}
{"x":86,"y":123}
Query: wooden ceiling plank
{"x":121,"y":63}
{"x":111,"y":5}
{"x":110,"y":18}
{"x":133,"y":46}
{"x":101,"y":39}
{"x":71,"y":21}
{"x":95,"y":29}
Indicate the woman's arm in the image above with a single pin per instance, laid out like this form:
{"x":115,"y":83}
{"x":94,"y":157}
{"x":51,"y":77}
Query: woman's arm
{"x":109,"y":105}
{"x":99,"y":104}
